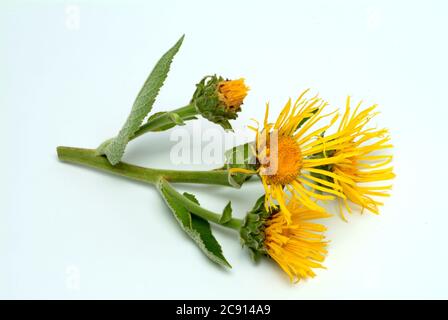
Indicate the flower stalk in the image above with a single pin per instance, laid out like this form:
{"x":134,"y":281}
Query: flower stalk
{"x":199,"y":211}
{"x":158,"y":123}
{"x":216,"y":99}
{"x":89,"y":158}
{"x":156,"y":177}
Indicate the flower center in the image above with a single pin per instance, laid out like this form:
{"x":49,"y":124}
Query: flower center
{"x":282,"y":166}
{"x":232,"y":93}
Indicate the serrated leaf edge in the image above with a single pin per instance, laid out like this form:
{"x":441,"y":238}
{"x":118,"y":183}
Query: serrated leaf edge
{"x":226,"y":213}
{"x":114,"y":150}
{"x":192,"y":233}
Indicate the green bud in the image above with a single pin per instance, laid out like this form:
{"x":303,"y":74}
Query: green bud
{"x":252,"y":233}
{"x":219,"y":100}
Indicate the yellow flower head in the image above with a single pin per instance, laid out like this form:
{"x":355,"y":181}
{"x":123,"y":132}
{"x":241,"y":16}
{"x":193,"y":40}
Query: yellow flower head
{"x":219,"y":100}
{"x":361,"y":165}
{"x":288,"y":153}
{"x":232,"y":93}
{"x":297,"y":247}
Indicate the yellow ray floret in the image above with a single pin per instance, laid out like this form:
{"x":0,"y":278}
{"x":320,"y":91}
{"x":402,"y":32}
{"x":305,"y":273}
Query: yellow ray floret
{"x":232,"y":93}
{"x":363,"y":166}
{"x":297,"y":247}
{"x":288,"y":150}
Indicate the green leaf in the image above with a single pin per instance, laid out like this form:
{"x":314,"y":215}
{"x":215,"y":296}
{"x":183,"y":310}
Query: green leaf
{"x":169,"y":125}
{"x":226,"y":214}
{"x":176,"y":119}
{"x":155,"y":115}
{"x":241,"y":156}
{"x":301,"y":123}
{"x":197,"y":228}
{"x":191,"y":197}
{"x":142,"y":106}
{"x":102,"y":148}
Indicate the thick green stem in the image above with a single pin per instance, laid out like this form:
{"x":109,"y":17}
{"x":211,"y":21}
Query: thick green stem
{"x":89,"y":158}
{"x":185,"y":113}
{"x":196,"y":209}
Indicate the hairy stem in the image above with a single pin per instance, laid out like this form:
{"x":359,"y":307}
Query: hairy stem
{"x":88,"y":157}
{"x":197,"y":210}
{"x":155,"y":124}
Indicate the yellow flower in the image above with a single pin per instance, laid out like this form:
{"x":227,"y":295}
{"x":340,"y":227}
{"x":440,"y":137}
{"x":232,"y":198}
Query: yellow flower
{"x":219,"y":100}
{"x":289,"y":153}
{"x":298,"y":247}
{"x":232,"y":93}
{"x":362,"y":165}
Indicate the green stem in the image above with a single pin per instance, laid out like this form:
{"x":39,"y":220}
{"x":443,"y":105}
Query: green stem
{"x":89,"y":158}
{"x":185,"y":113}
{"x":197,"y":210}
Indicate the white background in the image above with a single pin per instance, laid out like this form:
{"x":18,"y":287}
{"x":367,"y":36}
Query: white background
{"x":69,"y":232}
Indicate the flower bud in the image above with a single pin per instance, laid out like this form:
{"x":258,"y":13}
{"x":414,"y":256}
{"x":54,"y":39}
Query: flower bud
{"x":219,"y":100}
{"x":252,"y":231}
{"x":298,"y":247}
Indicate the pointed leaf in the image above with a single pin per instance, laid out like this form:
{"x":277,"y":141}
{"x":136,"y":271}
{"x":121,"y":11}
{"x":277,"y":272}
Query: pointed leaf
{"x":142,"y":105}
{"x":176,"y":119}
{"x":196,"y":227}
{"x":301,"y":123}
{"x":191,"y":197}
{"x":226,"y":214}
{"x":168,"y":125}
{"x":241,"y":156}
